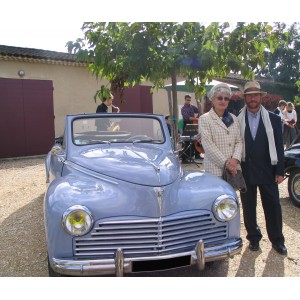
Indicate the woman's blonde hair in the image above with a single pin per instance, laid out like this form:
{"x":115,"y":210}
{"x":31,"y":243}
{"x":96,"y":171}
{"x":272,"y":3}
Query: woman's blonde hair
{"x":290,"y":105}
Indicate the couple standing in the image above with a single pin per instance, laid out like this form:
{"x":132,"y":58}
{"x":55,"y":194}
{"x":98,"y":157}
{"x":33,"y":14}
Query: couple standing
{"x":251,"y":142}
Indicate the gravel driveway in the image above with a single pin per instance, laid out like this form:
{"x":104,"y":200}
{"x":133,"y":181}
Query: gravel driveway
{"x":23,"y":249}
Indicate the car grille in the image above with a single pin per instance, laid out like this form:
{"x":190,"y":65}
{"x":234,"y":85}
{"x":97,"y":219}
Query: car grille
{"x":141,"y":237}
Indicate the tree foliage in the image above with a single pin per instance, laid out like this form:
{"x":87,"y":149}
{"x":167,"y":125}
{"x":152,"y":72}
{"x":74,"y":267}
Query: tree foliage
{"x":129,"y":53}
{"x":283,"y":65}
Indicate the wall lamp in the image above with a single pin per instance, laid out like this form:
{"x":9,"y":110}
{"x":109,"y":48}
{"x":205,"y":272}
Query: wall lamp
{"x":21,"y":73}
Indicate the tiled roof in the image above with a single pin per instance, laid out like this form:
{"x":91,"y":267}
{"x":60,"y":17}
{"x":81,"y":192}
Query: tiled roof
{"x":36,"y":54}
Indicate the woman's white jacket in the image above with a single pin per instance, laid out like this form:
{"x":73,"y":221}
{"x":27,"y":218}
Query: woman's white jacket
{"x":219,"y":142}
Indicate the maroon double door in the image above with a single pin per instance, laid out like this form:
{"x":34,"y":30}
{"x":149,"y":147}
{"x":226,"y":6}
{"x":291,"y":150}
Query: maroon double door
{"x":26,"y":117}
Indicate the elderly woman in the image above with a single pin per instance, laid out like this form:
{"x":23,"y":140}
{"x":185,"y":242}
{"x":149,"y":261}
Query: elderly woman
{"x":220,"y":134}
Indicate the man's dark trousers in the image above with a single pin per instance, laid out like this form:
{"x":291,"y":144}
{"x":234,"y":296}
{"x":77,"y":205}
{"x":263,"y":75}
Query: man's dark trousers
{"x":272,"y":209}
{"x":260,"y":174}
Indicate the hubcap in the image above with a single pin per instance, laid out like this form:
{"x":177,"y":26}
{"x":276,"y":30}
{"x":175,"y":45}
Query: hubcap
{"x":296,"y":186}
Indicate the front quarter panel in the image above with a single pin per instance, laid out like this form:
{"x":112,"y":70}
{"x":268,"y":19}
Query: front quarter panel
{"x":198,"y":190}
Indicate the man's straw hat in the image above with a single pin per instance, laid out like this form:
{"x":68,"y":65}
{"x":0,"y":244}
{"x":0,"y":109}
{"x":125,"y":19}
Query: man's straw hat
{"x":253,"y":87}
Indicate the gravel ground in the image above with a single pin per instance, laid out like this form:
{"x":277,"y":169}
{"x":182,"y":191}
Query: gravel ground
{"x":23,"y":249}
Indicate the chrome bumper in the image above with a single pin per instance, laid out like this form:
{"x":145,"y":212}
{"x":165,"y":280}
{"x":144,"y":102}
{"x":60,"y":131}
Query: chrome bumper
{"x":120,"y":265}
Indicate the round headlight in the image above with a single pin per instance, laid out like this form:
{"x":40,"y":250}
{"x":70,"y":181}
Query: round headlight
{"x":77,"y":220}
{"x":225,"y":208}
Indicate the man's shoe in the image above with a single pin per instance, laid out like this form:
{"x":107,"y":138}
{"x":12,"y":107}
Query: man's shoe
{"x":280,"y":248}
{"x":254,"y":246}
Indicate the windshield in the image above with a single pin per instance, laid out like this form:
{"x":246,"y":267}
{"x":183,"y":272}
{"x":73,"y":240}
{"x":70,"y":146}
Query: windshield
{"x":105,"y":129}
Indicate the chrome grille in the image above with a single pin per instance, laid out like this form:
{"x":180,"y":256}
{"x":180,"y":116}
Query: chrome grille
{"x":150,"y":236}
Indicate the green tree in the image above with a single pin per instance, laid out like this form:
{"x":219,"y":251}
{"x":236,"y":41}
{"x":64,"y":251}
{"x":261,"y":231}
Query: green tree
{"x":283,"y":65}
{"x":129,"y":53}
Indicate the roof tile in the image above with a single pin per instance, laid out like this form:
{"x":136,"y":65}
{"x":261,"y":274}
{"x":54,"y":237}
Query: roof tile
{"x":36,"y":53}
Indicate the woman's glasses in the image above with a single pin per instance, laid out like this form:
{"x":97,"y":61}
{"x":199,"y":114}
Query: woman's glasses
{"x":221,"y":98}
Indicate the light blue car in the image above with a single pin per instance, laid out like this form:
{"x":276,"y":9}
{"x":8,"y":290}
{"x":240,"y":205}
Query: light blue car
{"x":118,"y":201}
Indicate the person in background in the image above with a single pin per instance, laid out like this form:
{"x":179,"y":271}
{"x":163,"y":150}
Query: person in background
{"x":280,"y":111}
{"x":106,"y":102}
{"x":105,"y":124}
{"x":262,"y":166}
{"x":168,"y":121}
{"x":290,"y":116}
{"x":220,"y":133}
{"x":188,"y":112}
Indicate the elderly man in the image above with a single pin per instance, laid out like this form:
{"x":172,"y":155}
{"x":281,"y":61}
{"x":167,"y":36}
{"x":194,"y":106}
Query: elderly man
{"x":263,"y":167}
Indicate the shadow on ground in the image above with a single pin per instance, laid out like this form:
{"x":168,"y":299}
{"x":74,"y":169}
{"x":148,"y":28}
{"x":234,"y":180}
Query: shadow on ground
{"x":23,"y":248}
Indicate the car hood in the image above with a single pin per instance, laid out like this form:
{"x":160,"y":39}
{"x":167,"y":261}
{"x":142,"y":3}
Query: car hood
{"x":139,"y":164}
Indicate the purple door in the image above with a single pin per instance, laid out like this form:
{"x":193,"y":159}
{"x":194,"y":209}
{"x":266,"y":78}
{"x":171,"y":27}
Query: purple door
{"x":138,"y":99}
{"x":26,"y":117}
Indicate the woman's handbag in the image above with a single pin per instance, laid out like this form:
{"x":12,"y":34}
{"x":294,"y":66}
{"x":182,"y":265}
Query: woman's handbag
{"x":237,"y":181}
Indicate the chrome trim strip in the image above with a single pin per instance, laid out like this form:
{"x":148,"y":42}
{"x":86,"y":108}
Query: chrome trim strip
{"x":120,"y":265}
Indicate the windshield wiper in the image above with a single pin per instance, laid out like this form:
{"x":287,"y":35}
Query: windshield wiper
{"x":98,"y":142}
{"x":146,"y":141}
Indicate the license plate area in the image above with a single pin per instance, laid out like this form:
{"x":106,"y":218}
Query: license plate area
{"x":161,"y":264}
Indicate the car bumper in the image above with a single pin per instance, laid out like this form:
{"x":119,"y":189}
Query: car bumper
{"x":120,"y":265}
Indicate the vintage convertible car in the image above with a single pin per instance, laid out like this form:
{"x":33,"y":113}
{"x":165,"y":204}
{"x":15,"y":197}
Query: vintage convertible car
{"x":118,"y":201}
{"x":292,"y":170}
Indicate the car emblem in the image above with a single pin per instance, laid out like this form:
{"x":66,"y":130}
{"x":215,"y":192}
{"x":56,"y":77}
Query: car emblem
{"x":159,"y":192}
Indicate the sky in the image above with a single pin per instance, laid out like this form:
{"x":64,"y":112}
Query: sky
{"x":49,"y":25}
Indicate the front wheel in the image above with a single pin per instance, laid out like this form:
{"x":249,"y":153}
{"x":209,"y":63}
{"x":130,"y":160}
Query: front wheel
{"x":294,"y":187}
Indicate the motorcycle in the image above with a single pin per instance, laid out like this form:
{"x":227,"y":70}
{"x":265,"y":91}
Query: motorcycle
{"x":292,"y":170}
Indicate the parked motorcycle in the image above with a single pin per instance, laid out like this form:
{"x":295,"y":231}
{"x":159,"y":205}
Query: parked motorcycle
{"x":292,"y":170}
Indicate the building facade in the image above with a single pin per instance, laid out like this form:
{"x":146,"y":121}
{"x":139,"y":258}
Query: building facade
{"x":38,"y":88}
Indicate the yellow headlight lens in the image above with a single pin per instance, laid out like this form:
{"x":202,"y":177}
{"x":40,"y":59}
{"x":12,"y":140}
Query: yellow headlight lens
{"x":225,"y":208}
{"x":77,"y":220}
